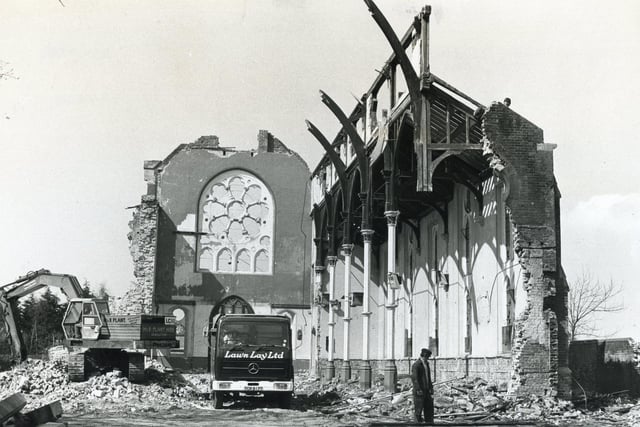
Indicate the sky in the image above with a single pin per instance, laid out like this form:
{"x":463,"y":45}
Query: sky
{"x":103,"y":86}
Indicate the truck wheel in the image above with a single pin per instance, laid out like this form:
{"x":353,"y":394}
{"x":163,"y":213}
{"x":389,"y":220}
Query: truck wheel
{"x":76,"y":367}
{"x":136,"y":367}
{"x":217,"y":397}
{"x":285,"y":401}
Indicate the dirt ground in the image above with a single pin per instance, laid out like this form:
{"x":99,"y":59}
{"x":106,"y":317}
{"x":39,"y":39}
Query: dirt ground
{"x":170,"y":398}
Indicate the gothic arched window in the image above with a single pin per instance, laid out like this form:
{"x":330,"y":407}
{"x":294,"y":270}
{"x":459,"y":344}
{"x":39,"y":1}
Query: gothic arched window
{"x":236,"y":215}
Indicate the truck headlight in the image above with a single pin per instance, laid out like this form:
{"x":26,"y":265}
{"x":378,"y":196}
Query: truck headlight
{"x":224,"y":385}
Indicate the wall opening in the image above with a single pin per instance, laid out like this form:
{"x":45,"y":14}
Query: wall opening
{"x":236,"y":217}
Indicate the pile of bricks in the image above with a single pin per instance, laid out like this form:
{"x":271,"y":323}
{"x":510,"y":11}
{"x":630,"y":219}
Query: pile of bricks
{"x":41,"y":383}
{"x":33,"y":377}
{"x":461,"y":400}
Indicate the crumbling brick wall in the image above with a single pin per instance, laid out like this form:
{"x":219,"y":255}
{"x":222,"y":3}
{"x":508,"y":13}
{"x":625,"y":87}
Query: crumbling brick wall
{"x":267,"y":143}
{"x":142,"y":246}
{"x":518,"y":155}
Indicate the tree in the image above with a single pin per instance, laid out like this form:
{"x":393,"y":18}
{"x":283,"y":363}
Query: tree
{"x":103,"y":292}
{"x":40,"y":320}
{"x":86,"y":290}
{"x":589,"y":297}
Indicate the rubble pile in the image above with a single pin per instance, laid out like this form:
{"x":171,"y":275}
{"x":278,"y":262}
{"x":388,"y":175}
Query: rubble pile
{"x":460,"y":400}
{"x":34,"y":377}
{"x":41,"y":382}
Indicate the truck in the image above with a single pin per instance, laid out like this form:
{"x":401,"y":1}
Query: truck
{"x":96,"y":339}
{"x":251,"y":356}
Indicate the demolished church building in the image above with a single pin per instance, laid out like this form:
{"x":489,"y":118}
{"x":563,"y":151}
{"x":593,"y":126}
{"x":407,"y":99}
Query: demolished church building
{"x":436,"y":224}
{"x":218,"y":231}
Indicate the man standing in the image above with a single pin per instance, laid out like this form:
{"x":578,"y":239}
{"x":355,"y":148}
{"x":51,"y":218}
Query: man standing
{"x":422,"y":387}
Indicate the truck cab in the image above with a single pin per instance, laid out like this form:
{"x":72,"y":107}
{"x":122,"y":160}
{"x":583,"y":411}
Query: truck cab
{"x":251,"y":356}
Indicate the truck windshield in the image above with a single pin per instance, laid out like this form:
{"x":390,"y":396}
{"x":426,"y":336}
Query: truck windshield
{"x":263,"y":333}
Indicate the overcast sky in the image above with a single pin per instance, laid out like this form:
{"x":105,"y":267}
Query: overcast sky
{"x":103,"y":86}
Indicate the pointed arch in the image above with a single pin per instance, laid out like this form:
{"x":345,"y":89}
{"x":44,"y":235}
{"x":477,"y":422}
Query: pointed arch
{"x":236,"y":216}
{"x":230,"y":304}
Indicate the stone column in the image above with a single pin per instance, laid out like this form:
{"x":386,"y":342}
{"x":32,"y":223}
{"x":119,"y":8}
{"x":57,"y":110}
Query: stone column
{"x":365,"y":366}
{"x":389,"y":368}
{"x":314,"y":369}
{"x":347,"y":251}
{"x":330,"y":369}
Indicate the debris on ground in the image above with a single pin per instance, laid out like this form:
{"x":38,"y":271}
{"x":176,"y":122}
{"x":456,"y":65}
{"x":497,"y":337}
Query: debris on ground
{"x":43,"y":382}
{"x":11,"y":412}
{"x":461,"y":400}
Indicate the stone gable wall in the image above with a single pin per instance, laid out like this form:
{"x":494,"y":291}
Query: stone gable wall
{"x":518,"y":155}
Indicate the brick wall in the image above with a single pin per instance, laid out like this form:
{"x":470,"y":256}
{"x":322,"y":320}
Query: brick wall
{"x":163,"y":243}
{"x":267,"y":143}
{"x":495,"y":370}
{"x":142,"y":246}
{"x":517,"y":154}
{"x":492,"y":369}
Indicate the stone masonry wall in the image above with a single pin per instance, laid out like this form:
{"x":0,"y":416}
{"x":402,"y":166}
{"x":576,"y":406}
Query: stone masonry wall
{"x":495,"y":370}
{"x":142,"y":246}
{"x":518,"y":155}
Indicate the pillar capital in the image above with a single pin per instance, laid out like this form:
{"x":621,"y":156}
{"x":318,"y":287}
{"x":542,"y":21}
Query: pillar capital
{"x":331,"y":259}
{"x":347,"y":249}
{"x":392,"y":217}
{"x":367,"y":234}
{"x":318,"y":268}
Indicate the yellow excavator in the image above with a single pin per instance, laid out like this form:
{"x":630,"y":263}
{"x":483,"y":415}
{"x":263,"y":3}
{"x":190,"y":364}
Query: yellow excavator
{"x":97,"y":340}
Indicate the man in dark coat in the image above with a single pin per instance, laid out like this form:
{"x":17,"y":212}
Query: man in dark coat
{"x":422,"y":387}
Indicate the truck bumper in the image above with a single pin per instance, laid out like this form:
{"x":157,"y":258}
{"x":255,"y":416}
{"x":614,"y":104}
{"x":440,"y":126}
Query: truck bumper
{"x":252,"y":386}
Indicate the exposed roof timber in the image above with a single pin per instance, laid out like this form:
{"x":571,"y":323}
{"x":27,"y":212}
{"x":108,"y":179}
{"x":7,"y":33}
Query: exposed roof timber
{"x":338,"y":139}
{"x":455,"y":165}
{"x":459,"y":93}
{"x":413,"y":83}
{"x":405,"y":41}
{"x":454,"y":147}
{"x":414,"y":208}
{"x":455,"y":96}
{"x":356,"y":142}
{"x":333,"y":156}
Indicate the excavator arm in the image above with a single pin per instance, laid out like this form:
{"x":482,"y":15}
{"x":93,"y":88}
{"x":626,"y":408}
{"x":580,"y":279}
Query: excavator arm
{"x":11,"y":334}
{"x":22,"y":286}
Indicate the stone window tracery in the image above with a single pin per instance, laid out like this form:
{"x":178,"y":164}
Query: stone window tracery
{"x":236,"y":215}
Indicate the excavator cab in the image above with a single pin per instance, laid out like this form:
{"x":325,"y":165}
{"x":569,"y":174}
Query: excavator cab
{"x":83,"y":318}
